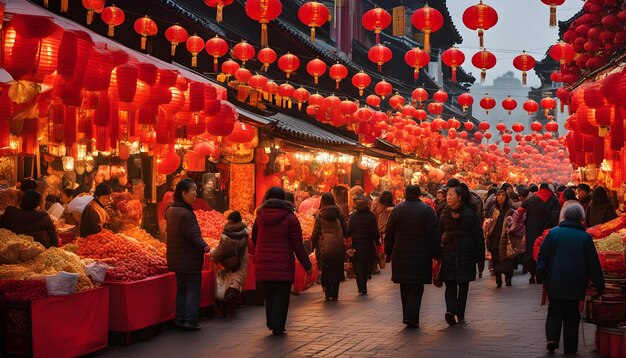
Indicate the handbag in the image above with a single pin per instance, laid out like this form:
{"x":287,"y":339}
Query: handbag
{"x":437,"y":278}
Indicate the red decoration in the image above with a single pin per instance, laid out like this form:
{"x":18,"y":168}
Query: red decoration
{"x":536,"y":126}
{"x":483,"y":60}
{"x":552,"y":126}
{"x":289,"y":63}
{"x":216,"y":48}
{"x":507,"y":138}
{"x":517,"y":128}
{"x":483,"y":126}
{"x":548,"y":103}
{"x":501,"y":127}
{"x":420,"y":115}
{"x":396,"y":101}
{"x":488,"y":135}
{"x":453,"y":57}
{"x":383,"y":89}
{"x":263,"y":11}
{"x":243,"y":51}
{"x":145,"y":27}
{"x":509,"y":104}
{"x":419,"y":95}
{"x":168,"y":164}
{"x":112,"y":16}
{"x":361,"y":80}
{"x":524,"y":62}
{"x":242,"y":133}
{"x":313,"y":14}
{"x":267,"y":56}
{"x":480,"y":17}
{"x":553,"y":4}
{"x":435,"y":108}
{"x":440,"y":96}
{"x":223,"y":123}
{"x":562,"y":52}
{"x":93,"y":6}
{"x":428,"y":20}
{"x":376,"y":20}
{"x":487,"y":103}
{"x":530,"y":106}
{"x":373,"y":100}
{"x":219,"y":4}
{"x":316,"y":68}
{"x":176,"y":34}
{"x":556,"y":76}
{"x":417,"y":59}
{"x":465,"y":100}
{"x":338,"y":72}
{"x":379,"y":54}
{"x":229,"y":67}
{"x":469,"y":126}
{"x":243,"y":75}
{"x":258,"y":82}
{"x":2,"y":7}
{"x":300,"y":95}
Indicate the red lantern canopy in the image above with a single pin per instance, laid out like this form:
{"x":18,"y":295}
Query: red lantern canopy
{"x":536,"y":126}
{"x":219,"y":4}
{"x":288,"y":63}
{"x":487,"y":103}
{"x":263,"y":11}
{"x":300,"y":95}
{"x":440,"y":96}
{"x":483,"y":126}
{"x":229,"y":67}
{"x":376,"y":20}
{"x":267,"y":56}
{"x":417,"y":59}
{"x":552,"y":126}
{"x":524,"y":62}
{"x":93,"y":6}
{"x":145,"y":27}
{"x":223,"y":123}
{"x":313,"y":14}
{"x":316,"y":68}
{"x":453,"y":57}
{"x":509,"y":104}
{"x":562,"y":52}
{"x":419,"y":95}
{"x":216,"y":47}
{"x":501,"y":127}
{"x":553,"y":4}
{"x":243,"y":51}
{"x":112,"y":16}
{"x":517,"y":128}
{"x":338,"y":72}
{"x":530,"y":106}
{"x":483,"y":60}
{"x":463,"y":134}
{"x":379,"y":54}
{"x":373,"y":100}
{"x":480,"y":17}
{"x":361,"y":80}
{"x":465,"y":100}
{"x":383,"y":89}
{"x":548,"y":103}
{"x":428,"y":20}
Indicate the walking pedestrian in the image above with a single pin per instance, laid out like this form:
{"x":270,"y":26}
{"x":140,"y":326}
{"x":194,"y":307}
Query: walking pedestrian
{"x":569,"y":195}
{"x":411,"y":242}
{"x":501,"y":209}
{"x":601,"y":209}
{"x":327,"y":240}
{"x":363,"y":229}
{"x":567,"y":260}
{"x":277,"y":236}
{"x":463,"y":247}
{"x":583,"y":192}
{"x":185,"y":254}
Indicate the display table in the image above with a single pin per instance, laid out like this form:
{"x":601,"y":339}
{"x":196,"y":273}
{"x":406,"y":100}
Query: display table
{"x":62,"y":326}
{"x":140,"y":304}
{"x":207,"y":290}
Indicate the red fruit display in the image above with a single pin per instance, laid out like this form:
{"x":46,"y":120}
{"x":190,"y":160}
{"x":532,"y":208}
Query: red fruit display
{"x":23,"y":290}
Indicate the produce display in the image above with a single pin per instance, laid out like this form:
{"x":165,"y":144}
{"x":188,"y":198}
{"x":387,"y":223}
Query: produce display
{"x":611,"y":249}
{"x":129,"y":209}
{"x":9,"y":197}
{"x":17,"y":248}
{"x":241,"y":194}
{"x":23,"y":290}
{"x":306,"y":222}
{"x":604,"y":230}
{"x":612,"y":243}
{"x":211,"y":224}
{"x":129,"y":260}
{"x":55,"y":260}
{"x":145,"y":239}
{"x":7,"y":169}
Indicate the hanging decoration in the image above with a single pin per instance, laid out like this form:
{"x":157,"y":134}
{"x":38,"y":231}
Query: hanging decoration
{"x":285,"y":92}
{"x":417,"y":58}
{"x":313,"y":14}
{"x":552,"y":126}
{"x":484,"y":60}
{"x":195,"y":45}
{"x":419,"y":95}
{"x":524,"y":63}
{"x":517,"y":128}
{"x":379,"y":54}
{"x":440,"y":96}
{"x":219,"y":4}
{"x":300,"y":95}
{"x":216,"y":47}
{"x":549,"y":103}
{"x":396,"y":101}
{"x":465,"y":100}
{"x":112,"y":16}
{"x":536,"y":126}
{"x":453,"y":57}
{"x":373,"y":100}
{"x":376,"y":20}
{"x":316,"y":68}
{"x":289,"y":63}
{"x":145,"y":27}
{"x":93,"y":6}
{"x":509,"y":104}
{"x":361,"y":81}
{"x":480,"y":17}
{"x":562,"y":52}
{"x":243,"y":51}
{"x":553,"y":4}
{"x":501,"y":127}
{"x":176,"y":34}
{"x":383,"y":89}
{"x":263,"y":11}
{"x":427,"y":20}
{"x":487,"y":103}
{"x":267,"y":56}
{"x":530,"y":106}
{"x":338,"y":72}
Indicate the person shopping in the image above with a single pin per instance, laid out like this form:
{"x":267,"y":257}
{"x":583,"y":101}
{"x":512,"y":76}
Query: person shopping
{"x":363,"y":228}
{"x":497,"y":214}
{"x":28,"y":220}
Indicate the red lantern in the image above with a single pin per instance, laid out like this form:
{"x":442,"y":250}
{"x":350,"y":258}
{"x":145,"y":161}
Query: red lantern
{"x":267,"y":56}
{"x":263,"y":11}
{"x":517,"y":128}
{"x":420,"y":115}
{"x":435,"y":108}
{"x":316,"y":68}
{"x":465,"y":100}
{"x":469,"y":126}
{"x":300,"y":95}
{"x":219,"y":4}
{"x":243,"y":51}
{"x":93,"y":6}
{"x":548,"y":103}
{"x":463,"y":134}
{"x":257,"y":82}
{"x":440,"y":96}
{"x":553,"y":4}
{"x":480,"y":17}
{"x":145,"y":27}
{"x":229,"y":67}
{"x":168,"y":164}
{"x":501,"y":127}
{"x":286,"y":91}
{"x":453,"y":57}
{"x":242,"y":133}
{"x":524,"y":62}
{"x":223,"y":123}
{"x":487,"y":103}
{"x":396,"y":101}
{"x":562,"y":52}
{"x":313,"y":14}
{"x":488,"y":135}
{"x":216,"y":47}
{"x":383,"y":89}
{"x":419,"y":95}
{"x":243,"y":75}
{"x":530,"y":106}
{"x":288,"y":63}
{"x":428,"y":20}
{"x":338,"y":72}
{"x":552,"y":126}
{"x":361,"y":80}
{"x":2,"y":7}
{"x":379,"y":54}
{"x":373,"y":100}
{"x":509,"y":104}
{"x":483,"y":60}
{"x":506,"y":138}
{"x":556,"y":76}
{"x":483,"y":126}
{"x":376,"y":20}
{"x":478,"y":136}
{"x":112,"y":16}
{"x":417,"y":59}
{"x":536,"y":126}
{"x":176,"y":34}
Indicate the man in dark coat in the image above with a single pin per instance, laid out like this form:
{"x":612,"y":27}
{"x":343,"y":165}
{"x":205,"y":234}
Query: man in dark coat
{"x":28,"y":220}
{"x":412,"y":240}
{"x":542,"y":212}
{"x":567,"y":260}
{"x":363,"y":228}
{"x":583,"y":193}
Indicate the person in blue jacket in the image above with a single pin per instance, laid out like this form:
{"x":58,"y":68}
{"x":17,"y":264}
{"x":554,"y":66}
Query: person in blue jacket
{"x":567,"y":260}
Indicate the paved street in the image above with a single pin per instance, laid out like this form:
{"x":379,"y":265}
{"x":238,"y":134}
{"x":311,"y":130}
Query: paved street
{"x":505,"y":322}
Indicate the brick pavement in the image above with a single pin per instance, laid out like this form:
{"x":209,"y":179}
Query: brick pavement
{"x":505,"y":322}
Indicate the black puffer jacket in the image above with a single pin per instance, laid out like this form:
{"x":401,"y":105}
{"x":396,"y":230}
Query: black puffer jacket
{"x":462,"y":244}
{"x":411,"y":241}
{"x":542,"y":212}
{"x":328,"y":233}
{"x":185,"y":246}
{"x":363,"y":228}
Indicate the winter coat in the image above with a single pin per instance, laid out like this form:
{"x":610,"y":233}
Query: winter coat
{"x":232,"y":251}
{"x":565,"y":205}
{"x":277,"y":236}
{"x":494,"y":240}
{"x":37,"y":224}
{"x":412,"y":240}
{"x":185,"y":246}
{"x":514,"y":231}
{"x":567,"y":260}
{"x":586,"y":202}
{"x":93,"y":219}
{"x":600,"y":213}
{"x":382,"y":213}
{"x":439,"y":206}
{"x":328,"y":233}
{"x":542,"y":212}
{"x":363,"y":228}
{"x":462,"y":244}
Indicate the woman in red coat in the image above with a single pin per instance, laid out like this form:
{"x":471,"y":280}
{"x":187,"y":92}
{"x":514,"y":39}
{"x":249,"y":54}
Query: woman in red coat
{"x":277,"y":236}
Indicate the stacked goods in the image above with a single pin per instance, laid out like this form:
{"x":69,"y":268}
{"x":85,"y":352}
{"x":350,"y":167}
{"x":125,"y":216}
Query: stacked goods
{"x":61,"y":260}
{"x":604,"y":230}
{"x":307,"y":221}
{"x":17,"y":248}
{"x":9,"y":197}
{"x":23,"y":290}
{"x":242,"y":197}
{"x":611,"y":252}
{"x":128,"y":208}
{"x":129,"y":260}
{"x":145,"y":239}
{"x":211,"y":224}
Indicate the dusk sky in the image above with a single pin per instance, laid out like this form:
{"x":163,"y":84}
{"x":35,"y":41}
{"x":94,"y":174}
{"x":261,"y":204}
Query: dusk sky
{"x":522,"y":25}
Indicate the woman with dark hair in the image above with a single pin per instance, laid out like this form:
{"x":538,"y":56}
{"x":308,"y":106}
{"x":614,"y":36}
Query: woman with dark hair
{"x":383,"y":210}
{"x":462,"y":247}
{"x":28,"y":220}
{"x":327,"y":240}
{"x":340,"y":193}
{"x":185,"y":253}
{"x":277,"y":236}
{"x":601,"y":208}
{"x":95,"y":217}
{"x":494,"y":225}
{"x":440,"y":201}
{"x":569,"y":195}
{"x":363,"y":228}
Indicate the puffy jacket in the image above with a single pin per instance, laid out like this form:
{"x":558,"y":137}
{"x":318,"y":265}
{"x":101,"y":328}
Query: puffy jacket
{"x":185,"y":246}
{"x":412,"y":240}
{"x":600,"y":213}
{"x":363,"y":228}
{"x":542,"y":212}
{"x":382,"y":213}
{"x":277,"y":236}
{"x":462,"y":244}
{"x":328,"y":233}
{"x":37,"y":224}
{"x":233,"y":246}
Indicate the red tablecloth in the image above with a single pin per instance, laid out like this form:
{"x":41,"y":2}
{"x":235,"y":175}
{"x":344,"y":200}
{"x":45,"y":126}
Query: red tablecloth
{"x":207,"y":290}
{"x":70,"y":326}
{"x":140,"y":304}
{"x":250,"y":283}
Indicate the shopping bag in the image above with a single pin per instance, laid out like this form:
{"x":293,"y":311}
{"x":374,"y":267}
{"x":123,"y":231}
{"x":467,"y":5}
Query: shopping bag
{"x":63,"y":283}
{"x":437,"y":278}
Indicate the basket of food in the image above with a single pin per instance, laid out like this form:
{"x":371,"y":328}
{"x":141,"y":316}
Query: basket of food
{"x":608,"y":313}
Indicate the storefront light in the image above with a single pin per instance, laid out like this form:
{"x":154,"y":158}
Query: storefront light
{"x":68,"y":164}
{"x":81,"y":151}
{"x":605,"y":166}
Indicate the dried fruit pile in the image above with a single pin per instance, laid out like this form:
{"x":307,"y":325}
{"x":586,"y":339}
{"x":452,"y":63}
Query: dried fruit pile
{"x":23,"y":290}
{"x":145,"y":239}
{"x":306,"y":223}
{"x":211,"y":224}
